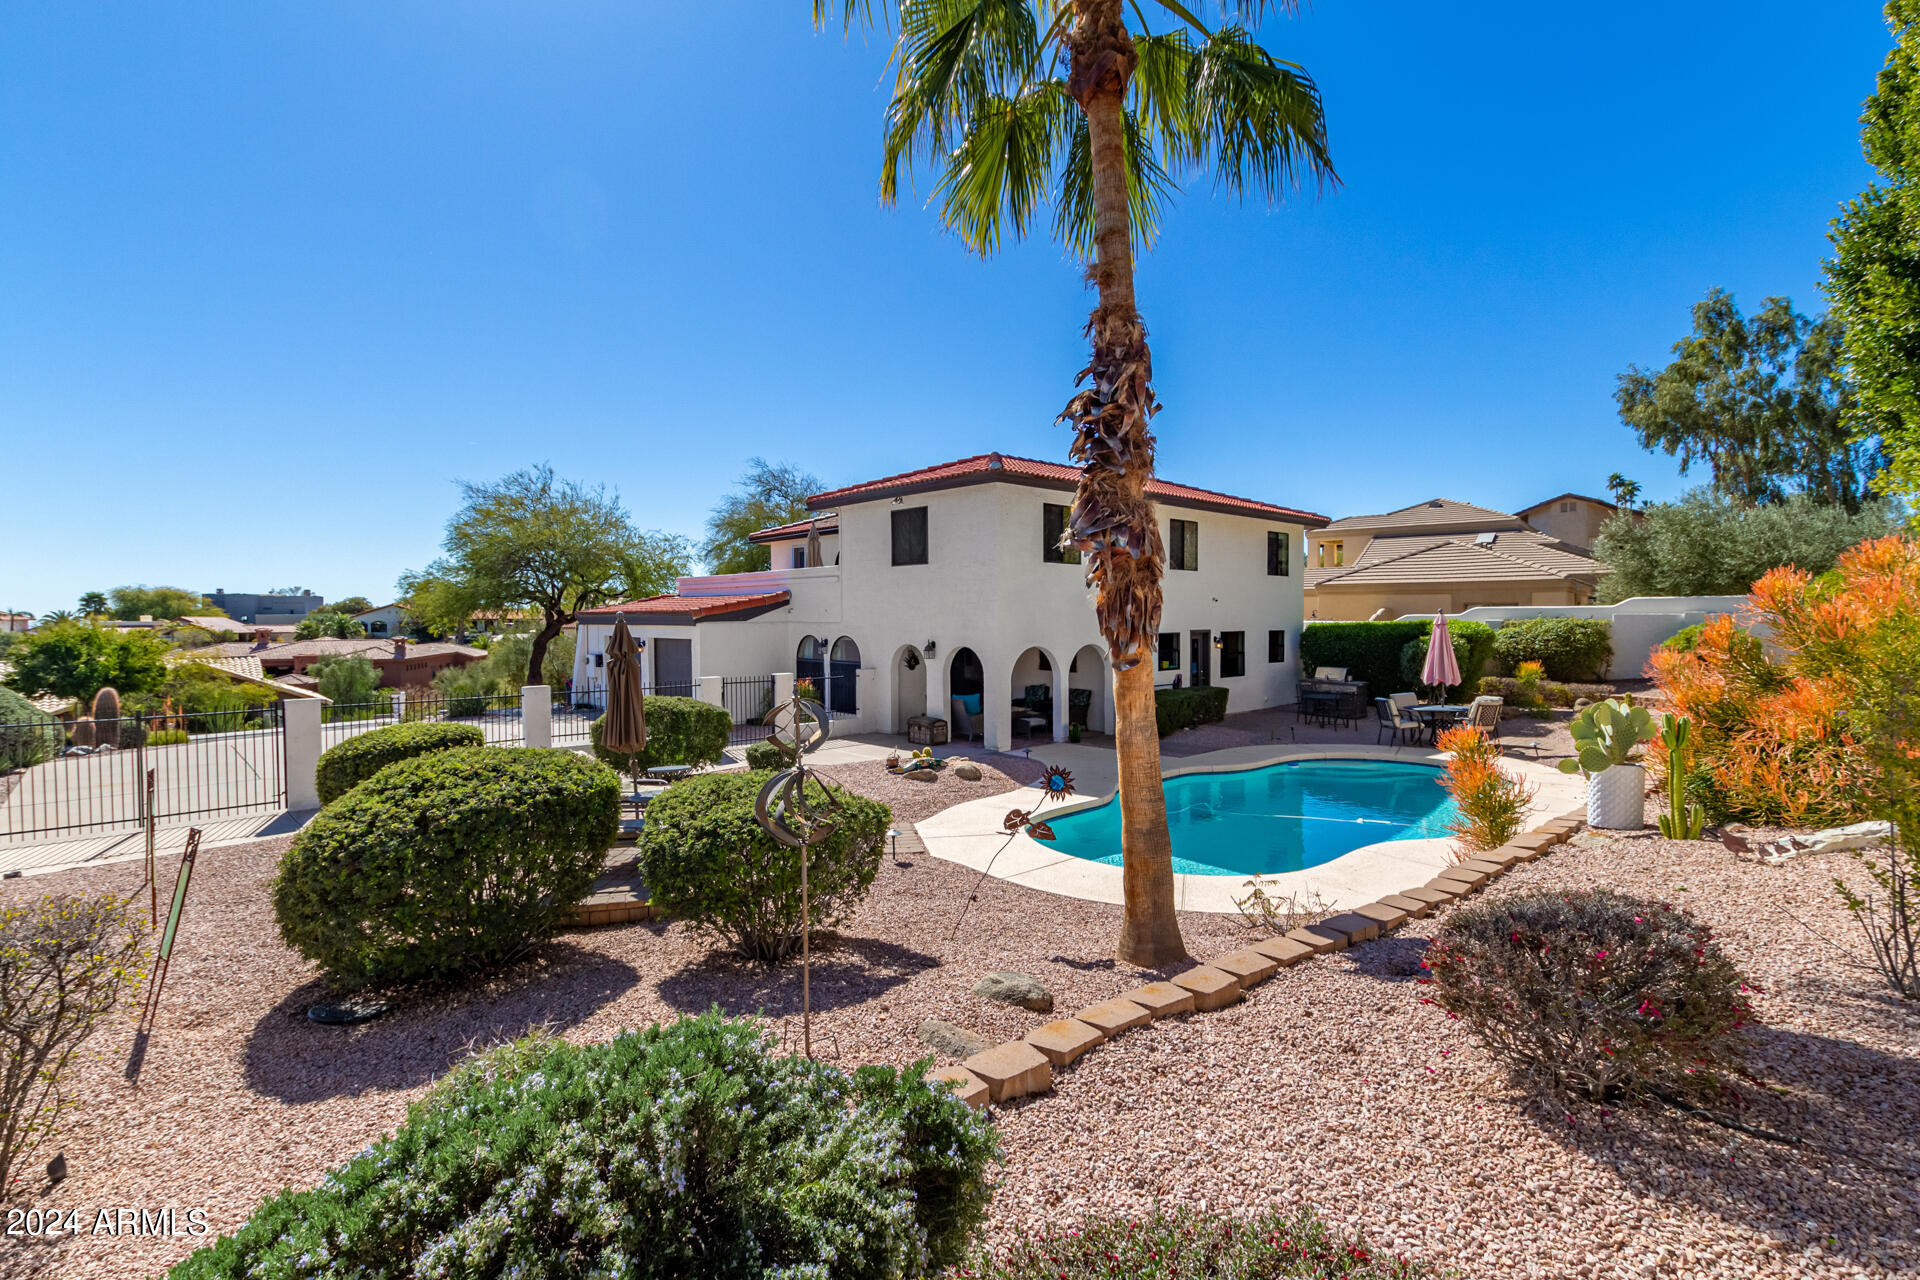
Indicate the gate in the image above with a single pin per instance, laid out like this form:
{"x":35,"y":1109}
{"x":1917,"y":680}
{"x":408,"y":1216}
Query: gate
{"x":71,"y":780}
{"x":747,"y":699}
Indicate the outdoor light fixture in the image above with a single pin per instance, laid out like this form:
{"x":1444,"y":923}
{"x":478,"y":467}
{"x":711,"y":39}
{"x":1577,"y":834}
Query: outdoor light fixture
{"x":899,"y":502}
{"x":927,"y":648}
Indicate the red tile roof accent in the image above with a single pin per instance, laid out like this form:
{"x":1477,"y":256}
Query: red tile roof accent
{"x":694,"y":608}
{"x":798,"y":529}
{"x":986,"y":468}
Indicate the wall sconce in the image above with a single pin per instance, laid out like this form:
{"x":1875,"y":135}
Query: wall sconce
{"x":899,"y":502}
{"x":927,"y":648}
{"x":1216,"y":640}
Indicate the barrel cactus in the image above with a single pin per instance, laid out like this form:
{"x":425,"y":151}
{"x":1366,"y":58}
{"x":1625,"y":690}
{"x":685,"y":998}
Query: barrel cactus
{"x":81,"y":734}
{"x":1606,"y":734}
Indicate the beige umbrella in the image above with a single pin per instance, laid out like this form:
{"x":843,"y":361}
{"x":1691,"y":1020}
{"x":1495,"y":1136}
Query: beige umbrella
{"x":625,"y":729}
{"x":814,"y":554}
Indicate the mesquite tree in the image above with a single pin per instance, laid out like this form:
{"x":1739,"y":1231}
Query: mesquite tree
{"x":1019,"y":103}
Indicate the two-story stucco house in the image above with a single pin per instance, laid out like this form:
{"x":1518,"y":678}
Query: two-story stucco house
{"x":946,"y":586}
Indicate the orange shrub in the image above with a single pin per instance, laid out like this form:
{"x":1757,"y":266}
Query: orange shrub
{"x":1491,"y":802}
{"x":1772,"y":718}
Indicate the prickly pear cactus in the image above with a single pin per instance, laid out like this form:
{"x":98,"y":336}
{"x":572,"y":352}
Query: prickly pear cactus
{"x":1681,"y":821}
{"x":1606,"y":734}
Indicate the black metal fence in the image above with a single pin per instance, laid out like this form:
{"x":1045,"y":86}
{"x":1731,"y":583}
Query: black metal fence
{"x":343,"y":720}
{"x":575,"y":710}
{"x":747,"y":699}
{"x":92,"y":777}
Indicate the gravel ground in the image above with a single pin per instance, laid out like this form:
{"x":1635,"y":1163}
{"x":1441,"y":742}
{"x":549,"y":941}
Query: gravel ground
{"x":1333,"y":1083}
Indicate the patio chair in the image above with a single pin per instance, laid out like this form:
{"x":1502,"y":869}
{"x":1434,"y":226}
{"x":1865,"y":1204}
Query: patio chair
{"x":963,"y":725}
{"x":1391,"y":721}
{"x":1485,"y":714}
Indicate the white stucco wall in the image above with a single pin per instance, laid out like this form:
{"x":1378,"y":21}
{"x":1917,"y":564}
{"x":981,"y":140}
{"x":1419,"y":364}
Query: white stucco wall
{"x":1639,"y":625}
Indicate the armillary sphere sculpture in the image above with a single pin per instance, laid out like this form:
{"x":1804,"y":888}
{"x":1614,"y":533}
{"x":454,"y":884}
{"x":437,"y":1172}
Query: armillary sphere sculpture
{"x":788,"y":814}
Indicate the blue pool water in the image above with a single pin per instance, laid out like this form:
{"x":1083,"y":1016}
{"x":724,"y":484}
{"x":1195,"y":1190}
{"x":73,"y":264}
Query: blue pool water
{"x":1280,"y":817}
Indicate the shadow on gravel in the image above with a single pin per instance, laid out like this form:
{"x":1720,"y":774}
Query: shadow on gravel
{"x":428,"y":1029}
{"x":1851,"y":1185}
{"x":846,"y":972}
{"x":1394,"y":958}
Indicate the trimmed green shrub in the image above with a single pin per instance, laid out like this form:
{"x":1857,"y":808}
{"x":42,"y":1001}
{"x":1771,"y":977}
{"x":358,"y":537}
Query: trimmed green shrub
{"x":695,"y":1149}
{"x":707,"y":861}
{"x":28,"y":735}
{"x":1592,"y":993}
{"x":349,"y":679}
{"x":1375,"y":651}
{"x":766,"y":756}
{"x":1177,"y":709}
{"x":1551,"y":692}
{"x":166,"y":737}
{"x":679,"y":731}
{"x":1190,"y":1244}
{"x":1685,"y":640}
{"x":450,"y":861}
{"x":1569,"y":648}
{"x":467,"y":690}
{"x":1472,"y":649}
{"x":347,"y":765}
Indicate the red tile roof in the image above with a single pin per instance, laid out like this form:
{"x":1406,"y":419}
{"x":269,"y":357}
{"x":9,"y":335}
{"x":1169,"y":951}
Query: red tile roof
{"x":690,"y":608}
{"x":798,"y":529}
{"x":988,"y":468}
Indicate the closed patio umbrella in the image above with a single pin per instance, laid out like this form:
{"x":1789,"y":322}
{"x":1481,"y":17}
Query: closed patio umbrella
{"x":1441,"y":668}
{"x":625,"y":729}
{"x":814,"y":553}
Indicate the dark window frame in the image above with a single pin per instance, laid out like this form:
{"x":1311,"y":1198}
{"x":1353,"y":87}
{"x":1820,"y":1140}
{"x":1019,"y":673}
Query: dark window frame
{"x":903,"y":549}
{"x":1279,"y":553}
{"x":1233,"y":654}
{"x":1277,"y":645}
{"x":1054,"y":518}
{"x":1166,"y":640}
{"x":1183,"y":545}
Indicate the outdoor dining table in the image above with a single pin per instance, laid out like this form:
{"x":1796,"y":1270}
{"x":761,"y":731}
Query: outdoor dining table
{"x":1437,"y":716}
{"x":668,"y":772}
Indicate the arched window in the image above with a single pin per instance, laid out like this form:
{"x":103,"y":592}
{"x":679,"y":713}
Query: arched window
{"x":809,"y":650}
{"x":845,"y":650}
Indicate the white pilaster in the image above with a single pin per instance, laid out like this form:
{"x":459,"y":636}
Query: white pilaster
{"x":536,"y":715}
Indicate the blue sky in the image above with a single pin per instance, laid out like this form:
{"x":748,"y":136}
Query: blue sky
{"x":272,"y":276}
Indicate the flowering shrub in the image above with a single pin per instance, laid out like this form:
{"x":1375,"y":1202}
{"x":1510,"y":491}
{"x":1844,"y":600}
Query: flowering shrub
{"x":347,"y":765}
{"x":450,"y":861}
{"x":688,"y":1150}
{"x":1181,"y":1244}
{"x":1593,"y":993}
{"x":1491,"y":803}
{"x":1774,"y":723}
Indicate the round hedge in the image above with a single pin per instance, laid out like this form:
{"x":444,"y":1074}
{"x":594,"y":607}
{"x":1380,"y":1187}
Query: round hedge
{"x":707,"y":861}
{"x":1593,"y":993}
{"x":447,"y":862}
{"x":1569,"y":648}
{"x":679,"y":731}
{"x":346,"y":766}
{"x":698,"y":1149}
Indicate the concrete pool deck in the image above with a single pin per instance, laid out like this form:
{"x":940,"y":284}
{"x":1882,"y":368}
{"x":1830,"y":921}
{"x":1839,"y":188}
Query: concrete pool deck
{"x":971,"y":834}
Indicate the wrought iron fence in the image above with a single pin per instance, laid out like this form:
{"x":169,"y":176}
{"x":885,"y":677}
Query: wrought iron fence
{"x":687,"y":689}
{"x":497,"y":715}
{"x":747,"y":699}
{"x":92,"y":777}
{"x":575,"y":710}
{"x":342,"y":720}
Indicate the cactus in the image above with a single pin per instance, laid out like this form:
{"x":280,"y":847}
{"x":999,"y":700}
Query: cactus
{"x":80,"y":733}
{"x":1681,"y":821}
{"x":1605,"y":734}
{"x":106,"y":704}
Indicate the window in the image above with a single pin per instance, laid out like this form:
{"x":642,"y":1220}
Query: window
{"x":1233,"y":653}
{"x":1279,"y":553}
{"x":1169,"y":651}
{"x":1053,"y":524}
{"x":1276,"y":646}
{"x":799,"y":557}
{"x":1566,"y":506}
{"x":910,"y":536}
{"x":1183,"y":551}
{"x":1334,"y":553}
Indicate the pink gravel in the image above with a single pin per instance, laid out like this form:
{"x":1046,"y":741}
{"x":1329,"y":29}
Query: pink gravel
{"x":1333,"y":1083}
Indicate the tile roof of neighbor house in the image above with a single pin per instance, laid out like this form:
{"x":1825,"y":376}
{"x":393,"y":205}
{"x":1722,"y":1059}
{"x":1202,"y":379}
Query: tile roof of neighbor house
{"x":988,"y":468}
{"x":798,"y":529}
{"x":688,"y":608}
{"x":329,"y":647}
{"x":51,"y":703}
{"x":1496,"y":556}
{"x":1438,"y":514}
{"x":1560,"y":497}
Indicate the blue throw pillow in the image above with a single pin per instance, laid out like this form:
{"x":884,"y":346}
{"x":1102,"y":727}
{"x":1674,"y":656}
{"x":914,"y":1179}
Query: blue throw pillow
{"x":971,"y":701}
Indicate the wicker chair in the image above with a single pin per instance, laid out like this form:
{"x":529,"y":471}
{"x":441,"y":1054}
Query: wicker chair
{"x":1484,"y":714}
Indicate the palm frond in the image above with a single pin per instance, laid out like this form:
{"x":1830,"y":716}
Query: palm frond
{"x":952,"y":55}
{"x":1260,"y":119}
{"x":852,"y":13}
{"x":1005,"y":163}
{"x":1148,"y":189}
{"x":1162,"y":89}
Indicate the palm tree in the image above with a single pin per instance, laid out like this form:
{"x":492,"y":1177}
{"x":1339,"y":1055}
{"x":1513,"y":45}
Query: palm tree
{"x":1019,"y":103}
{"x":59,"y":615}
{"x":94,"y":602}
{"x":18,"y":619}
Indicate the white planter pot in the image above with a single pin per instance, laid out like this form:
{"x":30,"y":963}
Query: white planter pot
{"x":1616,"y":798}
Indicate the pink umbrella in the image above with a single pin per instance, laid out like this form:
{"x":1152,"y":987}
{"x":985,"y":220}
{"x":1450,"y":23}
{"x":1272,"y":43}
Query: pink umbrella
{"x":1441,"y":668}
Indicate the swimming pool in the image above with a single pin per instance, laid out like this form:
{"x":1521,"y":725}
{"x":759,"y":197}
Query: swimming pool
{"x":1278,"y":817}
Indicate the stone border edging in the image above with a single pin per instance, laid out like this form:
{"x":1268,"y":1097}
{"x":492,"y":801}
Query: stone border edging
{"x":1022,"y":1067}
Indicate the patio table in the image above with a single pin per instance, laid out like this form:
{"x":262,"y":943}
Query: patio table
{"x":1438,"y":715}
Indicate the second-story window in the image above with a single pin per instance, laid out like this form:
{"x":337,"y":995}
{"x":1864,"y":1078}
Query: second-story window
{"x":1333,"y":553}
{"x":1183,"y":544}
{"x":1279,"y":553}
{"x":910,"y":536}
{"x":1053,"y":526}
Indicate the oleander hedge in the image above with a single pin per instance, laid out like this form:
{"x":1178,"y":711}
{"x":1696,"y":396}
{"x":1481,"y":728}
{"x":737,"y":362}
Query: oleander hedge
{"x":346,"y":766}
{"x":1177,"y":709}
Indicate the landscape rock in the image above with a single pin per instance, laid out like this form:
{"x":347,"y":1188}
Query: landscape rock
{"x":1016,"y":988}
{"x":967,"y":771}
{"x":954,"y":1041}
{"x":921,"y":775}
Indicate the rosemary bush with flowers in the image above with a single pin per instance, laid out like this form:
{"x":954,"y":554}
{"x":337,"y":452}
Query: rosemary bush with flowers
{"x":1594,"y":994}
{"x":1183,"y":1244}
{"x":689,"y":1150}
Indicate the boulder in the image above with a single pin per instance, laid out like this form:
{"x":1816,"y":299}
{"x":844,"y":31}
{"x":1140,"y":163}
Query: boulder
{"x":921,"y":775}
{"x":1016,"y":988}
{"x":967,"y":771}
{"x":955,"y":1042}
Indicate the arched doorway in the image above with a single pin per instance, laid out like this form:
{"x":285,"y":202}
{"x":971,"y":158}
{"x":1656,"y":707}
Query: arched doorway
{"x":1035,"y":689}
{"x":1089,"y":691}
{"x":966,"y":681}
{"x":843,"y":666}
{"x":909,"y":687}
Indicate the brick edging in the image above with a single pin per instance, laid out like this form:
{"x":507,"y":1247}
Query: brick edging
{"x":1025,"y":1066}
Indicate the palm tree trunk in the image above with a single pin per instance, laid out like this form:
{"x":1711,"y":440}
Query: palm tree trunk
{"x":1113,"y":520}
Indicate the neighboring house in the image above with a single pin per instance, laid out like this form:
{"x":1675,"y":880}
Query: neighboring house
{"x":1442,"y":554}
{"x":947,"y":583}
{"x":1573,"y":518}
{"x":393,"y":619}
{"x":401,"y":665}
{"x":250,"y":607}
{"x":245,"y":670}
{"x":52,"y":704}
{"x":16,"y":622}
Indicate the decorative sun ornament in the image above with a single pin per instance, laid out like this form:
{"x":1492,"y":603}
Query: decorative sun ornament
{"x":1058,"y":782}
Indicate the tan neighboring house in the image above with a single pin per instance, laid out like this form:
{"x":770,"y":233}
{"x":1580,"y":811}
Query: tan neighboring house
{"x":1574,"y":518}
{"x":401,"y":664}
{"x":1442,"y":554}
